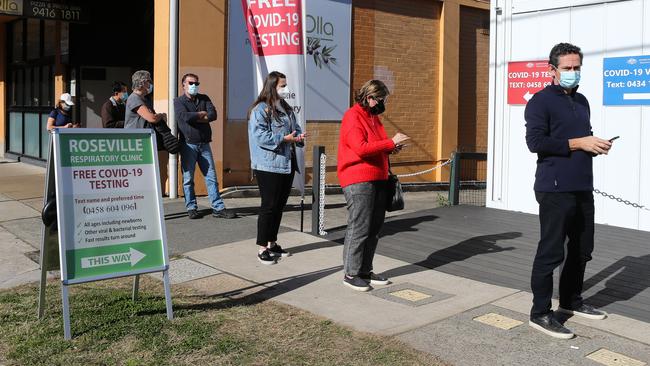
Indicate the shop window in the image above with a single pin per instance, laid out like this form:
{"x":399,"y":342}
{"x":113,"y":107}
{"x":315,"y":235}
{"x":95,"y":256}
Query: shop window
{"x":47,"y":86}
{"x":17,"y":41}
{"x":33,"y":39}
{"x":45,"y":136}
{"x":27,"y":88}
{"x":32,"y":134}
{"x":49,"y":45}
{"x":20,"y":88}
{"x":12,"y":89}
{"x":16,"y":132}
{"x":65,"y":38}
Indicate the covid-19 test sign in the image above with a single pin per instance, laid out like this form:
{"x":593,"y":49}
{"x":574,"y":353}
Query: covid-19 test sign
{"x":626,"y":80}
{"x":109,"y":204}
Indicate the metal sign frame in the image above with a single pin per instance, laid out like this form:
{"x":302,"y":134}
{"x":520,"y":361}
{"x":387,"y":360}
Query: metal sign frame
{"x":55,"y":153}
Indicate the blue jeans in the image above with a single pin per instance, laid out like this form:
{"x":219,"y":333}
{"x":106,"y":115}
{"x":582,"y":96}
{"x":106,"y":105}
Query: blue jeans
{"x":202,"y":154}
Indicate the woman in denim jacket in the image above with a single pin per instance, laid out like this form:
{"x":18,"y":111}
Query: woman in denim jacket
{"x":273,"y":134}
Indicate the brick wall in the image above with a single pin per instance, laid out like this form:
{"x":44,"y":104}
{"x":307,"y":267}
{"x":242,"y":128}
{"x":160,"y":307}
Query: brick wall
{"x":473,"y":86}
{"x":398,"y":43}
{"x":473,"y":79}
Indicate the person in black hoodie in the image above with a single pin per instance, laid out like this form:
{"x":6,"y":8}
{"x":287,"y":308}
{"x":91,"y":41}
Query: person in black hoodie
{"x":558,"y":129}
{"x":194,"y":112}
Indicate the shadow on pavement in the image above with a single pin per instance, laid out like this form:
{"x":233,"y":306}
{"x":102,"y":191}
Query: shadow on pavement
{"x":631,"y":277}
{"x":466,"y":249}
{"x":269,"y":290}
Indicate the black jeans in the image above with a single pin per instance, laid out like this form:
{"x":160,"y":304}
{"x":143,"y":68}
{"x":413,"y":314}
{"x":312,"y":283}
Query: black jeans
{"x":562,"y":215}
{"x":274,"y":190}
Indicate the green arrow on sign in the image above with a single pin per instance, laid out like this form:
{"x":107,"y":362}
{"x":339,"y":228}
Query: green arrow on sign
{"x":133,"y":256}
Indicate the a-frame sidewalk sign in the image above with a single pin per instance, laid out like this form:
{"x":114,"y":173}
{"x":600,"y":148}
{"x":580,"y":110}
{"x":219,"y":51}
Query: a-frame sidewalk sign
{"x":109,"y":223}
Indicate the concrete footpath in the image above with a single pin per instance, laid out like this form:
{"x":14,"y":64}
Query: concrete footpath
{"x":463,"y":321}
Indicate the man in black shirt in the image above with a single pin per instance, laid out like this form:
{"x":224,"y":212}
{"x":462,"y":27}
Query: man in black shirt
{"x":558,"y":129}
{"x":194,"y":112}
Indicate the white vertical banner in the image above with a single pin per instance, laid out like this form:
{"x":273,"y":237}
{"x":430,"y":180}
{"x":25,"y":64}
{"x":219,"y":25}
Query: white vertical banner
{"x":276,"y":34}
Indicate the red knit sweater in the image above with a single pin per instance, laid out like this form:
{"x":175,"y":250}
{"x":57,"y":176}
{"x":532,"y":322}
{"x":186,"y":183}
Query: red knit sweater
{"x":363,"y":148}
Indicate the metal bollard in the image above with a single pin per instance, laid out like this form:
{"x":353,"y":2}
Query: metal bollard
{"x":454,"y":179}
{"x":315,"y":191}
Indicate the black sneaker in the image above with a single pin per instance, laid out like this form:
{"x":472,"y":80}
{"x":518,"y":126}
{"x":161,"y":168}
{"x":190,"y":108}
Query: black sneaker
{"x":585,"y":311}
{"x":548,"y":325}
{"x":277,"y":251}
{"x":266,"y":258}
{"x":193,"y":214}
{"x":356,"y":283}
{"x":224,"y":214}
{"x":375,"y":279}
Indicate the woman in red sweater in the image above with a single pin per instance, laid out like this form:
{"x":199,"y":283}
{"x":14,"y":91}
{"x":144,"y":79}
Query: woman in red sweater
{"x":363,"y":171}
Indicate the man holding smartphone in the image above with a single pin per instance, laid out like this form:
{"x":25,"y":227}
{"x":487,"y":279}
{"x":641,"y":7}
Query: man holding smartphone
{"x":558,"y":129}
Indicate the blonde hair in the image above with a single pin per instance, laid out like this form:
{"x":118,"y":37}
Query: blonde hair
{"x":373,"y":89}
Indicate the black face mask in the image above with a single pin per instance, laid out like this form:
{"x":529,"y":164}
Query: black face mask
{"x":379,"y":108}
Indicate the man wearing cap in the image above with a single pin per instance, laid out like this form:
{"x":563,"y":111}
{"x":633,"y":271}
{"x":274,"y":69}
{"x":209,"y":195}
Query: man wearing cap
{"x":61,"y":116}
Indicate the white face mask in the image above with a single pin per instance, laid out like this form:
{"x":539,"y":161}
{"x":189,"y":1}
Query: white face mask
{"x":284,"y":92}
{"x":66,"y":107}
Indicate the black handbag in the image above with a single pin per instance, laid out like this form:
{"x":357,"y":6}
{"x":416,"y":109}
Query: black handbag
{"x":394,"y":194}
{"x":164,"y":136}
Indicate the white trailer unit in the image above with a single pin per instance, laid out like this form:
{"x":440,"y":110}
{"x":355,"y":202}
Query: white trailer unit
{"x":609,"y":32}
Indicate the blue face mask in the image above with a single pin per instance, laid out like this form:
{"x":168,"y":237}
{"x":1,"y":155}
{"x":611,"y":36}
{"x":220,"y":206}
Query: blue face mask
{"x":569,"y":79}
{"x":125,"y":96}
{"x":150,"y":89}
{"x":193,"y":89}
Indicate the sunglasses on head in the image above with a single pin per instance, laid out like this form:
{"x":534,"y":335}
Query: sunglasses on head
{"x":193,"y":83}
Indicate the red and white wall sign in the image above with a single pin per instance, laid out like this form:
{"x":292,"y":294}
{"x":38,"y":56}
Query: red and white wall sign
{"x":525,"y":78}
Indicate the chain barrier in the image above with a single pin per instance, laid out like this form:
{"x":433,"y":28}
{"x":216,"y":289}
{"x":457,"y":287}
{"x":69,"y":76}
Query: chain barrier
{"x":620,"y":200}
{"x":321,"y":199}
{"x":424,"y":171}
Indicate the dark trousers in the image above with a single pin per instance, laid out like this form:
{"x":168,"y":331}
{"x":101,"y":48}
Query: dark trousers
{"x":562,"y":215}
{"x":274,"y":190}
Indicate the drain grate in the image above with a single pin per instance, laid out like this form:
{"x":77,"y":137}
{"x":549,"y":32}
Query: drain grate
{"x":498,"y":321}
{"x":410,"y":294}
{"x":609,"y":358}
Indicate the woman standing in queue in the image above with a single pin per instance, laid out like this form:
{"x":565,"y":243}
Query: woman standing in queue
{"x":273,"y":135}
{"x":61,"y":116}
{"x":362,"y":169}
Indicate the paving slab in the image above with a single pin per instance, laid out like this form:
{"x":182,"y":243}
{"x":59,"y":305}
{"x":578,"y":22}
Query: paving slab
{"x":35,"y":203}
{"x":623,"y":326}
{"x":15,"y":267}
{"x":311,"y":279}
{"x":184,"y":270}
{"x":13,"y":210}
{"x":463,"y":341}
{"x":28,"y":230}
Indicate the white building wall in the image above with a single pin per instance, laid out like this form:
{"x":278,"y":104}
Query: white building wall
{"x":523,"y":30}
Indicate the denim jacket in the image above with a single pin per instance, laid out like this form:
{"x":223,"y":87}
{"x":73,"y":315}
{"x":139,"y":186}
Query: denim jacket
{"x":268,"y":150}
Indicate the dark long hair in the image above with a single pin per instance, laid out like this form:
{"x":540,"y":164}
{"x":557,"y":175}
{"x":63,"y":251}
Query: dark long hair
{"x":269,"y":95}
